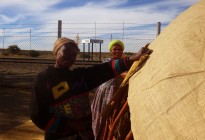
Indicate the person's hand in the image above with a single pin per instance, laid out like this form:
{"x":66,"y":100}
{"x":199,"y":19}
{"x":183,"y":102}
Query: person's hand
{"x":145,"y":50}
{"x":142,"y":51}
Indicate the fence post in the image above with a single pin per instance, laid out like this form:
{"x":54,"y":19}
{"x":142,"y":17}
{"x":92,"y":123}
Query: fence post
{"x":59,"y":28}
{"x":158,"y":28}
{"x":123,"y":30}
{"x":30,"y":38}
{"x":3,"y":38}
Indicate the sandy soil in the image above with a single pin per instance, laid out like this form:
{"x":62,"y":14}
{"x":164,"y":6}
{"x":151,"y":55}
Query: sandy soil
{"x":16,"y":80}
{"x":15,"y":90}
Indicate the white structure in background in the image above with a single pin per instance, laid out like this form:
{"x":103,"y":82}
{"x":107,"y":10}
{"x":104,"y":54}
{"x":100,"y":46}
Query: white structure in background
{"x":90,"y":43}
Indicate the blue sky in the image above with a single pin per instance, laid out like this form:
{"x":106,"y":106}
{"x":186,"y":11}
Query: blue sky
{"x":45,"y":12}
{"x":49,"y":11}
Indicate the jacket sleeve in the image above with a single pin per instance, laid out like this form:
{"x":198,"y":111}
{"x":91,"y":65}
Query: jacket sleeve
{"x":40,"y":103}
{"x":99,"y":74}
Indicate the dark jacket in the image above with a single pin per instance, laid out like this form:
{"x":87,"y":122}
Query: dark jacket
{"x":60,"y":102}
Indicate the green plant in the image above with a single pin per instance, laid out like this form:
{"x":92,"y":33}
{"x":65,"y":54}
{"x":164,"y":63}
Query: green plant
{"x":33,"y":53}
{"x":13,"y":49}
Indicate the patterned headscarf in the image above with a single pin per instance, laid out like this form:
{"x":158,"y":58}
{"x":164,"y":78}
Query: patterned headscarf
{"x":60,"y":42}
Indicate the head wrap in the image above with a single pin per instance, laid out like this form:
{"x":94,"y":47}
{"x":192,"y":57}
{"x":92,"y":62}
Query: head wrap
{"x":114,"y":42}
{"x":60,"y":42}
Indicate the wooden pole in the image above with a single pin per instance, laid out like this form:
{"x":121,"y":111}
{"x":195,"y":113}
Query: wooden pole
{"x":92,"y":52}
{"x":158,"y":28}
{"x":59,"y":28}
{"x":100,"y":53}
{"x":83,"y":51}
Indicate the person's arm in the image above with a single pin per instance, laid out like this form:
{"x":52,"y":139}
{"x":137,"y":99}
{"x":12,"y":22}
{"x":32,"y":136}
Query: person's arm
{"x":104,"y":72}
{"x":39,"y":103}
{"x":143,"y":50}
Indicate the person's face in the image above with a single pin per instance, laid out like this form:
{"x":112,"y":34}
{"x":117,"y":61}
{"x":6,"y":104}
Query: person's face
{"x":66,"y":55}
{"x":117,"y":51}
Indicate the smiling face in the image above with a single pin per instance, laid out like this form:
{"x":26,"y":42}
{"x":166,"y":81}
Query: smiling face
{"x":116,"y":51}
{"x":66,"y":55}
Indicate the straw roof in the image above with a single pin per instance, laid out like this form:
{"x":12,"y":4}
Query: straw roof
{"x":167,"y":96}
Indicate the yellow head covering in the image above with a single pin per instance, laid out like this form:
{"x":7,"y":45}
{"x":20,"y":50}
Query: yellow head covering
{"x":114,"y":42}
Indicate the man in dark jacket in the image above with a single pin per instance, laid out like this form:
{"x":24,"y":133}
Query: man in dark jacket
{"x":60,"y":101}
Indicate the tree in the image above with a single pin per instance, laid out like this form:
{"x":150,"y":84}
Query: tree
{"x":33,"y":53}
{"x":13,"y":49}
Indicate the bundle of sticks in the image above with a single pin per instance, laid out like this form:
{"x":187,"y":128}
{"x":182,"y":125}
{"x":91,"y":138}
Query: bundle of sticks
{"x":116,"y":123}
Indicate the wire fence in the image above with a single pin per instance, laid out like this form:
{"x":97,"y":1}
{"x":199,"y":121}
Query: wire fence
{"x":42,"y":37}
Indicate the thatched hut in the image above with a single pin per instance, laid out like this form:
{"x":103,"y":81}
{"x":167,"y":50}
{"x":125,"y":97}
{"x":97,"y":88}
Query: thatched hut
{"x":167,"y":96}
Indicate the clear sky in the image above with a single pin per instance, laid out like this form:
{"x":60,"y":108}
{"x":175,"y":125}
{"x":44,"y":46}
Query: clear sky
{"x":43,"y":12}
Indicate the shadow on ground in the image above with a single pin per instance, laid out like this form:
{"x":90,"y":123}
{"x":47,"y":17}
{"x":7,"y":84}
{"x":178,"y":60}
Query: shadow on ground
{"x":16,"y":81}
{"x":15,"y":93}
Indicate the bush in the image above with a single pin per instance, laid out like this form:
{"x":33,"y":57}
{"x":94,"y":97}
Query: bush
{"x":33,"y":53}
{"x":13,"y":49}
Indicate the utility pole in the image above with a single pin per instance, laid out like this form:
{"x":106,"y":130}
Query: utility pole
{"x":59,"y":28}
{"x":158,"y":28}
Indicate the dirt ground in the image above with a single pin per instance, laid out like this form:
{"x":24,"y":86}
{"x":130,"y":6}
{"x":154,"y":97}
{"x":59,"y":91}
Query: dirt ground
{"x":16,"y":81}
{"x":15,"y":90}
